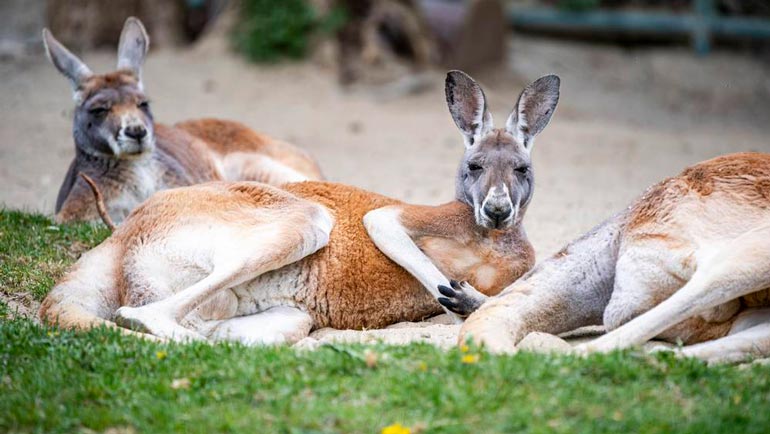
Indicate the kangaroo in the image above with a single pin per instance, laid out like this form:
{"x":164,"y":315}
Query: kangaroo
{"x":688,"y":261}
{"x":258,"y":264}
{"x":130,"y":157}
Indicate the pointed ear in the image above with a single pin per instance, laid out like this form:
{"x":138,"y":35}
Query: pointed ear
{"x":468,"y":106}
{"x":66,"y":62}
{"x":534,"y":109}
{"x":133,"y":46}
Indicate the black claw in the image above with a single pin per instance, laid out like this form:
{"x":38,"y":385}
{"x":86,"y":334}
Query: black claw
{"x":455,"y":285}
{"x":447,"y":291}
{"x":449,"y":304}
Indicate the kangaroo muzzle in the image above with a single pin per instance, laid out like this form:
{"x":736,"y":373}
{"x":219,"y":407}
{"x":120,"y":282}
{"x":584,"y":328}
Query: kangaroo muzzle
{"x":133,"y":137}
{"x":497,"y":210}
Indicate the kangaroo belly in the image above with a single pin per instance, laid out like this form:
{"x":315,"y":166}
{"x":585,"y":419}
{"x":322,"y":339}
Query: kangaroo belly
{"x":350,"y":283}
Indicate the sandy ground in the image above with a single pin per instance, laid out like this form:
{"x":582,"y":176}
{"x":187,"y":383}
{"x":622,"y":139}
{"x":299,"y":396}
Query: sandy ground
{"x":626,"y":119}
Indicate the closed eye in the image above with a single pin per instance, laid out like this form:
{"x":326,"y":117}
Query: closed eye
{"x":98,"y":111}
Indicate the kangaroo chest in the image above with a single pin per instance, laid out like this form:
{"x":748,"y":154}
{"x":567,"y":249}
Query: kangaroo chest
{"x":463,"y":261}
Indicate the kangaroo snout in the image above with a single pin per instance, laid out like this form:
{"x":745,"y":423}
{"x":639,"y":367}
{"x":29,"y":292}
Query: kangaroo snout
{"x":499,"y":214}
{"x":497,"y":209}
{"x":134,"y":138}
{"x":136,"y":132}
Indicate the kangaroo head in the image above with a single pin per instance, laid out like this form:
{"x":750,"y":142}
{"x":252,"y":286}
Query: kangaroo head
{"x":112,"y":114}
{"x":495,"y":176}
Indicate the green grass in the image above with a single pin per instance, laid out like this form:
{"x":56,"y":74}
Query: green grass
{"x":34,"y":251}
{"x":60,"y":381}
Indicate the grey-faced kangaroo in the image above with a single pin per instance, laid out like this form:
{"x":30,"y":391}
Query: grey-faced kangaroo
{"x":130,"y":157}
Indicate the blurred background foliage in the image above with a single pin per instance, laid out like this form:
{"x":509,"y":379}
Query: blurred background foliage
{"x":267,"y":31}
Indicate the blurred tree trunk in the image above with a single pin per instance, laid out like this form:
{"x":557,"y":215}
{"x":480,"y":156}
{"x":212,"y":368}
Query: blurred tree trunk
{"x":87,"y":24}
{"x":20,"y":24}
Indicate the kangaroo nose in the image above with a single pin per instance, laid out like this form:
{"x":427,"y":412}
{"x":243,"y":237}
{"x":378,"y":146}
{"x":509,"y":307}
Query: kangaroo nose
{"x":136,"y":132}
{"x":497,"y":213}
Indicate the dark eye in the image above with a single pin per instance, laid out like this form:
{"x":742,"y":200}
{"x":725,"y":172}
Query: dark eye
{"x":473,"y":167}
{"x":522,"y":170}
{"x":144,"y":105}
{"x":98,"y":111}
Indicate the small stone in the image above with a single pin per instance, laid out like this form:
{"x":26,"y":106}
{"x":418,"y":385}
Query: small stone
{"x":308,"y":343}
{"x":180,"y":383}
{"x":537,"y":342}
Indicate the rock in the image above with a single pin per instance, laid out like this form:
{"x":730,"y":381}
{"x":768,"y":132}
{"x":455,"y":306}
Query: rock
{"x":444,"y":318}
{"x":537,"y":342}
{"x":440,"y":335}
{"x":308,"y":343}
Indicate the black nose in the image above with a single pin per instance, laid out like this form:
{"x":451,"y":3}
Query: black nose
{"x":136,"y":132}
{"x":497,"y":213}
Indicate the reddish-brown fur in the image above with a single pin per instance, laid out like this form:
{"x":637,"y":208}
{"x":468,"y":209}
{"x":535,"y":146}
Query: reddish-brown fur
{"x":745,"y":176}
{"x":225,"y":137}
{"x":359,"y":287}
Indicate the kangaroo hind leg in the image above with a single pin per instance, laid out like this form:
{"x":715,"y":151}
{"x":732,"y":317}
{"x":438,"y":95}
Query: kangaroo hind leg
{"x":740,"y":267}
{"x":277,"y":325}
{"x":238,"y":256}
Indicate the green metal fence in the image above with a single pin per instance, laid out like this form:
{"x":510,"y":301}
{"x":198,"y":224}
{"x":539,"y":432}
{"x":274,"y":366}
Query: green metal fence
{"x":702,"y":24}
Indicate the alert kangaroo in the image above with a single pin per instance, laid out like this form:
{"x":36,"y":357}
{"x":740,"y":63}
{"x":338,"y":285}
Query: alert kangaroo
{"x":250,"y":262}
{"x":688,"y":261}
{"x":130,"y":157}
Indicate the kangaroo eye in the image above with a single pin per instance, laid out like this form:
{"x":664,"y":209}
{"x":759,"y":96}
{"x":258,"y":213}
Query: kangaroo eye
{"x":98,"y":111}
{"x":523,"y":170}
{"x":144,"y":105}
{"x":473,"y":167}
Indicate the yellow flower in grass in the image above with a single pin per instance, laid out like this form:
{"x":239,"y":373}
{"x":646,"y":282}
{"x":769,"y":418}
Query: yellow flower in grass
{"x":464,"y":348}
{"x":470,"y":359}
{"x":396,"y":428}
{"x":160,"y":355}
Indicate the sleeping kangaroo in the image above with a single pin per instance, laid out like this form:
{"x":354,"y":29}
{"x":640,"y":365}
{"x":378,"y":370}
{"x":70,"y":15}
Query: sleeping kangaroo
{"x":689,"y":261}
{"x":249,"y":262}
{"x":130,"y":157}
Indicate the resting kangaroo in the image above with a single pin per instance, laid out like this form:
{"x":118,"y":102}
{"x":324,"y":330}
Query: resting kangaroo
{"x":689,"y":261}
{"x":130,"y":157}
{"x":250,"y":262}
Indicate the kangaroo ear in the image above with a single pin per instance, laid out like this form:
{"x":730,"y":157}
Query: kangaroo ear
{"x":534,"y":109}
{"x":133,"y":46}
{"x":67,"y":63}
{"x":468,"y":106}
